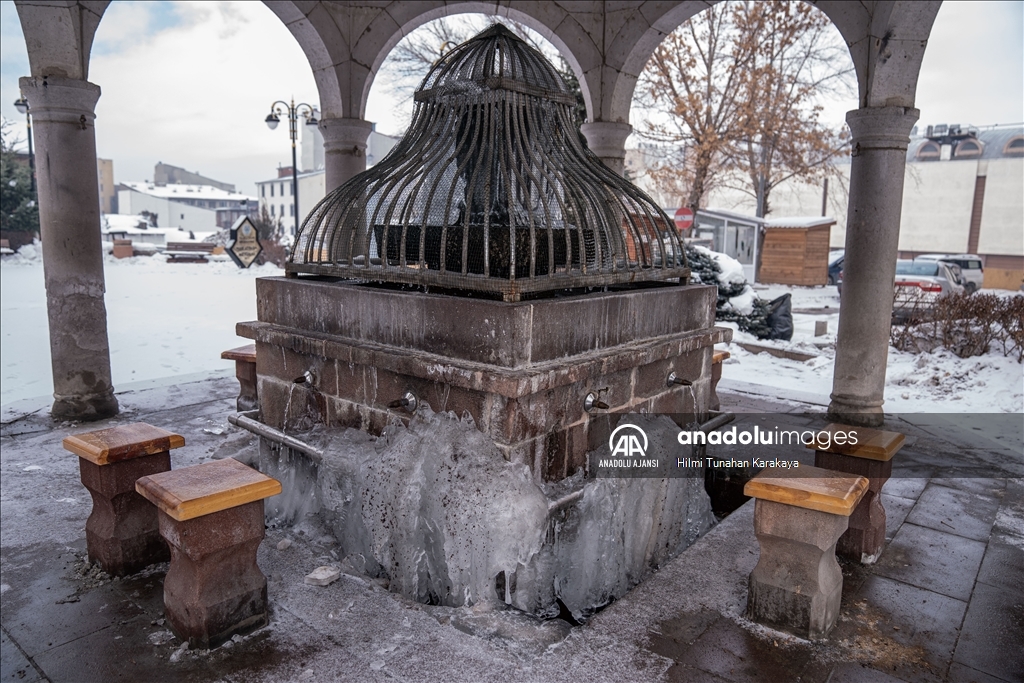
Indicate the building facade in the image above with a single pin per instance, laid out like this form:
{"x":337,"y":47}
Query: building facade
{"x":190,"y":207}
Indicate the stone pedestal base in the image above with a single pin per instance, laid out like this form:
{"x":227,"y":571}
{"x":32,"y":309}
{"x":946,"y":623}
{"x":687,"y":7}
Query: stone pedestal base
{"x":245,"y":371}
{"x":214,"y":589}
{"x":797,"y":584}
{"x":121,"y":533}
{"x":864,"y":540}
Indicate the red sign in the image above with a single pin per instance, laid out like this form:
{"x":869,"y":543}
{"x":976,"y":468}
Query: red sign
{"x":684,"y":218}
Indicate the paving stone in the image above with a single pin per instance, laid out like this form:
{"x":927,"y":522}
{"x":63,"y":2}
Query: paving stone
{"x":955,"y":511}
{"x":45,"y":609}
{"x":933,"y":560}
{"x":993,"y":632}
{"x":896,"y":511}
{"x":851,"y":672}
{"x":904,"y":631}
{"x":904,"y":487}
{"x":14,"y":666}
{"x":1003,"y":566}
{"x":958,"y":673}
{"x":734,"y":654}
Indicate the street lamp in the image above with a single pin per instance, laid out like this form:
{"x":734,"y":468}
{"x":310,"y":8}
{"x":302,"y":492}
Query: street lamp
{"x":21,"y":104}
{"x":273,"y":118}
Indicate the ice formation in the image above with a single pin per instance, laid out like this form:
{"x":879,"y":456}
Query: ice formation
{"x":436,"y":509}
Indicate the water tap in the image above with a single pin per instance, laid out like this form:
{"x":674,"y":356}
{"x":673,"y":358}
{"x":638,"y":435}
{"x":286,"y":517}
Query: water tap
{"x":408,"y":401}
{"x":673,"y":378}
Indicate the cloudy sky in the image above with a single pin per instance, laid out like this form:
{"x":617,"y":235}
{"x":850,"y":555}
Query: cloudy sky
{"x":189,"y":83}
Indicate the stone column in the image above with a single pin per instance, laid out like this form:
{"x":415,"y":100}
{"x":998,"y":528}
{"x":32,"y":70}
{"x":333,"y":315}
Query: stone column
{"x":69,"y":218}
{"x":344,"y":149}
{"x":608,"y":141}
{"x":880,"y":139}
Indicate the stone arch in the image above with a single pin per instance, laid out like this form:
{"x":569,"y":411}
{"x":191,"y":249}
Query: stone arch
{"x":325,"y":48}
{"x":886,"y":41}
{"x":59,"y":35}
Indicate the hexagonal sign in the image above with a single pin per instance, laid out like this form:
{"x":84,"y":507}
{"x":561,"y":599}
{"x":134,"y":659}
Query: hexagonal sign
{"x":245,"y":245}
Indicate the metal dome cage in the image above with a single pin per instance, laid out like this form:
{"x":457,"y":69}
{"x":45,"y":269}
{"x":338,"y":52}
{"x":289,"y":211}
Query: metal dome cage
{"x":493,"y":190}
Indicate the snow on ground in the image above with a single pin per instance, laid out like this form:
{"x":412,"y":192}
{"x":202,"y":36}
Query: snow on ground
{"x":163,"y":319}
{"x":937,"y":382}
{"x":169,"y":319}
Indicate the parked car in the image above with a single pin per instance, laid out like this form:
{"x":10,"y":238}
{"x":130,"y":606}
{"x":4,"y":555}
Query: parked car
{"x":971,"y":270}
{"x":919,"y":283}
{"x":835,"y":265}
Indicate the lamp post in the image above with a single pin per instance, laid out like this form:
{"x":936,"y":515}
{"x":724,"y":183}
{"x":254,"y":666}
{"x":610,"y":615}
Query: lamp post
{"x":21,"y":104}
{"x":273,"y":118}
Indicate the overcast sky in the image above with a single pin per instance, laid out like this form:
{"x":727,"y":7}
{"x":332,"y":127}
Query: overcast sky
{"x":189,"y":83}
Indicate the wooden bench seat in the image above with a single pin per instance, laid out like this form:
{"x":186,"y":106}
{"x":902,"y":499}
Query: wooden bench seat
{"x":245,"y":371}
{"x":716,"y":375}
{"x":200,"y":490}
{"x":122,"y":532}
{"x":189,"y":252}
{"x":211,"y":516}
{"x":871,"y":456}
{"x":799,"y":515}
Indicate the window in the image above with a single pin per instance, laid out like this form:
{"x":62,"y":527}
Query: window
{"x":967,"y":149}
{"x":271,"y":190}
{"x":282,"y":190}
{"x":1014,"y":147}
{"x":263,"y":190}
{"x":289,"y":190}
{"x":291,"y":210}
{"x":282,"y":211}
{"x":271,"y":209}
{"x":929,"y":151}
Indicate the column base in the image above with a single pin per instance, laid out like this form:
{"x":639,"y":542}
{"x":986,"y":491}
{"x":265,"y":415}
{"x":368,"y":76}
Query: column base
{"x":88,"y":408}
{"x":214,"y":589}
{"x":857,"y":416}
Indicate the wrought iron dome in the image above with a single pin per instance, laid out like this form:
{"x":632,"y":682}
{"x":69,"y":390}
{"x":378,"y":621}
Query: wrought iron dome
{"x":492,"y":190}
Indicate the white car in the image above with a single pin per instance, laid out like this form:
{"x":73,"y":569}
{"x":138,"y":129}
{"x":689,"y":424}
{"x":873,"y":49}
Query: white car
{"x":919,"y":283}
{"x":971,"y":270}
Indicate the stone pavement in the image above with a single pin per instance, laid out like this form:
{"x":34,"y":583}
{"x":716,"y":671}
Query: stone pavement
{"x":944,"y":603}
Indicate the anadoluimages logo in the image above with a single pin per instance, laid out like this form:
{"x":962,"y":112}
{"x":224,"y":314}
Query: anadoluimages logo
{"x":628,"y":444}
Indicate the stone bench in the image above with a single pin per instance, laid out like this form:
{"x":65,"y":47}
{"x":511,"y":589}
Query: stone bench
{"x":870,"y":457}
{"x":245,"y":371}
{"x":716,"y":375}
{"x":211,"y":516}
{"x":121,"y":533}
{"x":798,"y":517}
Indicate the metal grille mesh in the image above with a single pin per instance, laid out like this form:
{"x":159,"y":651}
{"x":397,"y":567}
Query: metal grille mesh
{"x":492,"y":190}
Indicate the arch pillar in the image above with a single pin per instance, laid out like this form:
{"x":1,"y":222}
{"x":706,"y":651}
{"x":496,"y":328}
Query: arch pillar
{"x":63,"y":115}
{"x":880,"y":139}
{"x":608,"y":141}
{"x":344,"y":149}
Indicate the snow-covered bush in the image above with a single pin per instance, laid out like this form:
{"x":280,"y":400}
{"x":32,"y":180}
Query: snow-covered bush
{"x":737,"y":301}
{"x":967,"y":325}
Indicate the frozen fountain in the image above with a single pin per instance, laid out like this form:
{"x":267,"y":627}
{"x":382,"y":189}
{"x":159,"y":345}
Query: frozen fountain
{"x":459,"y":327}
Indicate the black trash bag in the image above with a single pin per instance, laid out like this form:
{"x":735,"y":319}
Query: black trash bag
{"x":780,"y":317}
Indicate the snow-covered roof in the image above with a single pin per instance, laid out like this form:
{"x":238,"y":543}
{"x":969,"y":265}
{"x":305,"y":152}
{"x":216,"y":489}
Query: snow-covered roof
{"x":128,"y":223}
{"x":799,"y":222}
{"x":288,"y":178}
{"x":732,"y":215}
{"x":177,"y":191}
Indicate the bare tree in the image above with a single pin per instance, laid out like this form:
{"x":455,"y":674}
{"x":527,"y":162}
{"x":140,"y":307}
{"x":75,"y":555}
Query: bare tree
{"x":795,"y":60}
{"x":412,"y":58}
{"x":736,"y":89}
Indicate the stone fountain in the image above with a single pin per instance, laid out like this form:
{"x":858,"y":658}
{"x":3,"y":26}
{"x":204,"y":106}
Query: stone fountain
{"x":459,"y":327}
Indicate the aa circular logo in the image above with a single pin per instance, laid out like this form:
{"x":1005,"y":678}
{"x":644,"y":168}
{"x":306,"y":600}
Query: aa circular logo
{"x":628,"y":441}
